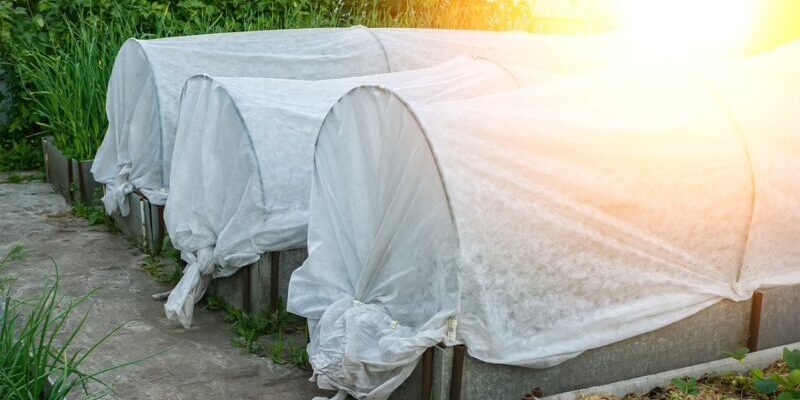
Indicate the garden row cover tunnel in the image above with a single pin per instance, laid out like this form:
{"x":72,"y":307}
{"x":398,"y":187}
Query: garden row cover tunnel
{"x":148,"y":75}
{"x":535,"y":224}
{"x":241,"y":172}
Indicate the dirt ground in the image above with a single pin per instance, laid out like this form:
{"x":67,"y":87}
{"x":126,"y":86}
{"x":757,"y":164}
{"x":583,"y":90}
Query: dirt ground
{"x":199,"y":363}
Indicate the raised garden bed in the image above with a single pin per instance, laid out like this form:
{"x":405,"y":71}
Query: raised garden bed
{"x":742,"y":376}
{"x":144,"y":224}
{"x":263,"y":286}
{"x":759,"y":323}
{"x":72,"y":178}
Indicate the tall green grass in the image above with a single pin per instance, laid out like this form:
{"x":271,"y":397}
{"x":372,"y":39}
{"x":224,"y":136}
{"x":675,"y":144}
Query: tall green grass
{"x":64,"y":79}
{"x":37,"y":359}
{"x":68,"y":86}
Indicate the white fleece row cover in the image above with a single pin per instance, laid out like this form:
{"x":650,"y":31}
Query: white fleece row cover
{"x":241,"y":178}
{"x":535,"y":224}
{"x":148,"y":75}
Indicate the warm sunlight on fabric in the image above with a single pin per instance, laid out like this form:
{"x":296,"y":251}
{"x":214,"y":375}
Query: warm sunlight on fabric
{"x":687,"y":27}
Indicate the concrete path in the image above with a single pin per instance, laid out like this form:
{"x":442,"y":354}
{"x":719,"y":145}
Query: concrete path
{"x":201,"y":363}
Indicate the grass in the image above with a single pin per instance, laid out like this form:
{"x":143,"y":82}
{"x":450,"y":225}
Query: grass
{"x":164,"y":266}
{"x":20,"y":155}
{"x":37,"y":359}
{"x":17,"y":253}
{"x":160,"y":271}
{"x":68,"y":85}
{"x":94,"y":213}
{"x":17,"y":178}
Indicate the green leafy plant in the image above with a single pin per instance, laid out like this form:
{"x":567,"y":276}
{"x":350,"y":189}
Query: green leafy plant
{"x":250,"y":330}
{"x":783,"y":383}
{"x":215,"y":303}
{"x":164,"y":266}
{"x":168,"y":251}
{"x":739,"y":354}
{"x":298,"y":356}
{"x":19,"y":155}
{"x":160,"y":271}
{"x":94,"y":213}
{"x":786,"y":385}
{"x":686,"y":386}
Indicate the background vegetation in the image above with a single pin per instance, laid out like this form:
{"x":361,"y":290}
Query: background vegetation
{"x":56,"y":55}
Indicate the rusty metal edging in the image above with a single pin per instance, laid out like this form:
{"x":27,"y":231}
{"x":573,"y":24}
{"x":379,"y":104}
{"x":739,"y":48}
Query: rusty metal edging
{"x":156,"y":226}
{"x":79,"y":191}
{"x":459,"y":352}
{"x":70,"y":193}
{"x":159,"y":240}
{"x":247,"y":292}
{"x":46,"y":158}
{"x":427,"y":373}
{"x":755,"y":321}
{"x":274,"y":279}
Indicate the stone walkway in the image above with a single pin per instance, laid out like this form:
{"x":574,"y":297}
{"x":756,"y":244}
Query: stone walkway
{"x":199,"y":363}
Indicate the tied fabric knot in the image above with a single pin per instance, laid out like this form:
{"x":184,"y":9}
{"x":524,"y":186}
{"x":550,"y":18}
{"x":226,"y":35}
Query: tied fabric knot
{"x":359,"y":349}
{"x":192,"y":286}
{"x":743,"y":290}
{"x":116,"y":196}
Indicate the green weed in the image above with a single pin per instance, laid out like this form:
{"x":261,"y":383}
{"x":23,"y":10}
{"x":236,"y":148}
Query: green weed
{"x":17,"y":178}
{"x":160,"y":271}
{"x":93,"y":213}
{"x":164,"y":266}
{"x":253,"y":331}
{"x":20,"y":155}
{"x":784,"y":385}
{"x":685,"y":386}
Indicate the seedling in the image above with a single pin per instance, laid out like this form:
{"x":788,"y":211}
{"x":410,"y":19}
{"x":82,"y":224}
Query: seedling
{"x":686,"y":386}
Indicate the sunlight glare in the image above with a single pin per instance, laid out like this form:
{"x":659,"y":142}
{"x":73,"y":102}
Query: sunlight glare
{"x":687,"y":27}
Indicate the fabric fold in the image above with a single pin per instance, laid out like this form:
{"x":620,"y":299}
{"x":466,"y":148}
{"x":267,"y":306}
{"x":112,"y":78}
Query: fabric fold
{"x":116,"y":195}
{"x":192,"y":286}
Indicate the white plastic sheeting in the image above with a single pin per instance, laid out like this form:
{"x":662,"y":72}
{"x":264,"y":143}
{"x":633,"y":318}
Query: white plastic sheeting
{"x":241,"y":177}
{"x":539,"y":223}
{"x":146,"y":81}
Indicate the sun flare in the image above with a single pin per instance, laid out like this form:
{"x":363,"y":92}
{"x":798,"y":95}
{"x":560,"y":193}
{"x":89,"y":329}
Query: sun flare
{"x":690,"y":27}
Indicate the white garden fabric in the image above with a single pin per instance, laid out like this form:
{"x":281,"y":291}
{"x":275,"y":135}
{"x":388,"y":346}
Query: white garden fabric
{"x":148,"y":75}
{"x":536,"y":224}
{"x":241,"y":177}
